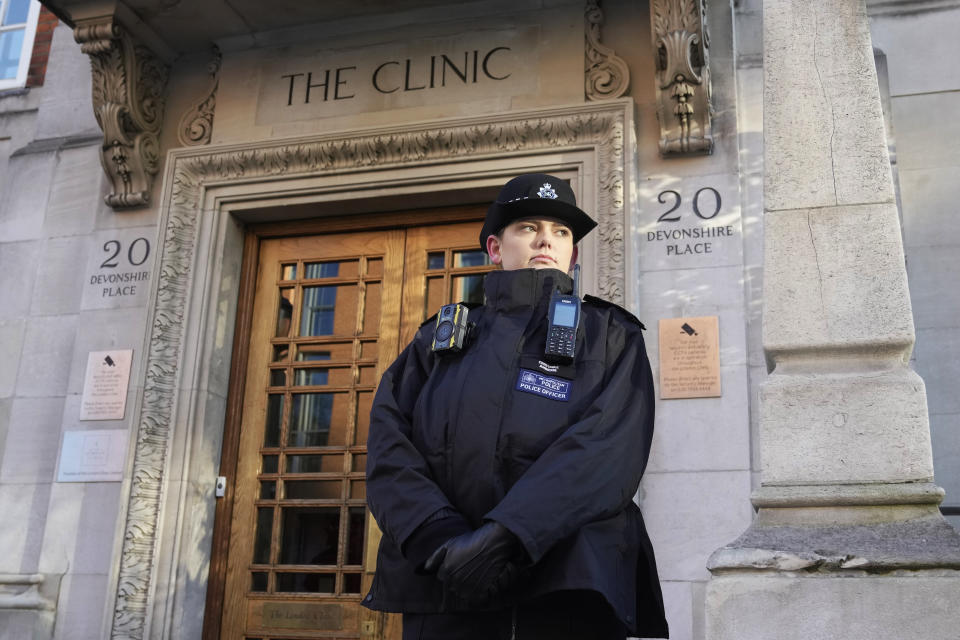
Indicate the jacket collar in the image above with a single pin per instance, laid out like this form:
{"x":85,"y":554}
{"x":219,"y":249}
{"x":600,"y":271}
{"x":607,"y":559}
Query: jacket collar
{"x":508,"y":290}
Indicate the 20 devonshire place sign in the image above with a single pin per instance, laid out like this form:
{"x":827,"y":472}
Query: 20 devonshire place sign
{"x":445,"y":70}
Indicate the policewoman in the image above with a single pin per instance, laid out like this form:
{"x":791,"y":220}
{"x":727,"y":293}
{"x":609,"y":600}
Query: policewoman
{"x":502,"y":476}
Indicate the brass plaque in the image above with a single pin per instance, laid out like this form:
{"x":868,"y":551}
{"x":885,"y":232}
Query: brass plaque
{"x":690,"y":357}
{"x":302,"y":615}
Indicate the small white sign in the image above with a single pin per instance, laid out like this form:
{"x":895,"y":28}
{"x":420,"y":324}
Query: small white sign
{"x":92,"y":456}
{"x":105,"y":385}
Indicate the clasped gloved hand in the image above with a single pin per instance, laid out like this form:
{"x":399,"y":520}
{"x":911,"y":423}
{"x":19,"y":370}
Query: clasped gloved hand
{"x":476,"y":566}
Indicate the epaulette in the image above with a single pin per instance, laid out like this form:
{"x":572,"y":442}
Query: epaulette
{"x":600,"y":302}
{"x":432,"y":319}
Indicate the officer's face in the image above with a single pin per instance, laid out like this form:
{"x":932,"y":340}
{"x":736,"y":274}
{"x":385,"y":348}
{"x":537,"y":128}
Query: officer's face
{"x":537,"y":243}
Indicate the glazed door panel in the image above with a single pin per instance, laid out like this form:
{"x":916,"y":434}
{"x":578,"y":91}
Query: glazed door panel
{"x":330,"y":313}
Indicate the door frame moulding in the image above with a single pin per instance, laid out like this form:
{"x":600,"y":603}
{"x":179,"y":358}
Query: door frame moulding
{"x":162,"y":548}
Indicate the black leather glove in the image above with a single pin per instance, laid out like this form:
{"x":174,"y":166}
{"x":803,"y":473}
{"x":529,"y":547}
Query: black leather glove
{"x":476,"y":566}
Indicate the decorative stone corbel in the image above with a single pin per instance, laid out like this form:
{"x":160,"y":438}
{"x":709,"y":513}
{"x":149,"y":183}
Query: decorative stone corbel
{"x":606,"y":75}
{"x":128,"y":88}
{"x":681,"y":47}
{"x":196,"y":125}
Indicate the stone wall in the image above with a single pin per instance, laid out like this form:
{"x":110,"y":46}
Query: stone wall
{"x":924,"y":98}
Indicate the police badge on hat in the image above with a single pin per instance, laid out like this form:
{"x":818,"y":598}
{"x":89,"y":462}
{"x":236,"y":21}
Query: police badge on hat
{"x":546,"y":191}
{"x":536,"y":195}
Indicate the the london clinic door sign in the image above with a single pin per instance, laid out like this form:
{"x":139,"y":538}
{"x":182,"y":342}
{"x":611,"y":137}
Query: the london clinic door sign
{"x":105,"y":385}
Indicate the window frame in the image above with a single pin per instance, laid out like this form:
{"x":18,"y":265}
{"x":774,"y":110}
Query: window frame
{"x":26,"y":49}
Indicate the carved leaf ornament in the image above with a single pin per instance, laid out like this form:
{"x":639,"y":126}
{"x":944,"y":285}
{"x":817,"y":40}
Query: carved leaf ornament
{"x":196,"y":125}
{"x":606,"y":75}
{"x":681,"y":44}
{"x":599,"y":126}
{"x":128,"y":85}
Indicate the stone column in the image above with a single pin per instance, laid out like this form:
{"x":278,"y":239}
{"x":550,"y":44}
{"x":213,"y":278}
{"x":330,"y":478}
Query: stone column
{"x":848,"y":541}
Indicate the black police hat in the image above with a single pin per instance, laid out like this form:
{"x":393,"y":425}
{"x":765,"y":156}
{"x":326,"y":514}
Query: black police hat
{"x":536,"y":194}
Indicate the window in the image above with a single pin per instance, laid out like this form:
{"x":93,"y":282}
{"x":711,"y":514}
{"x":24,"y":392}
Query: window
{"x":18,"y":25}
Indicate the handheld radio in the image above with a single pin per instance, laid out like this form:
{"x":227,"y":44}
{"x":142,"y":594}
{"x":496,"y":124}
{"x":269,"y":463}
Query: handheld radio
{"x":562,"y":322}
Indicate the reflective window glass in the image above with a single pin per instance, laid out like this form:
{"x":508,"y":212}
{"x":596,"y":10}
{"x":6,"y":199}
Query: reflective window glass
{"x":271,"y":433}
{"x":310,"y":419}
{"x":313,"y":270}
{"x":470,"y":258}
{"x":306,"y":582}
{"x":261,"y":541}
{"x":17,"y":11}
{"x":467,"y":288}
{"x":310,"y":535}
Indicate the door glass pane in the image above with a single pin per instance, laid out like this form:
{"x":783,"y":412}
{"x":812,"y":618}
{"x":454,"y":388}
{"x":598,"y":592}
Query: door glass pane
{"x":315,"y":464}
{"x":306,"y":582}
{"x":368,"y":350}
{"x":269,"y":464}
{"x":310,"y":416}
{"x":258,"y":581}
{"x":359,"y":462}
{"x":329,"y":310}
{"x":470,"y":258}
{"x":334,"y":377}
{"x":261,"y":543}
{"x":371,"y":309}
{"x":374,"y":266}
{"x":310,"y":535}
{"x":364,"y":404}
{"x":368,"y":376}
{"x":467,"y":288}
{"x":351,"y":583}
{"x":358,"y":490}
{"x":271,"y":434}
{"x":289,"y":272}
{"x":341,"y":269}
{"x":278,"y":377}
{"x":284,"y":313}
{"x":435,"y":260}
{"x":312,"y":489}
{"x":268,"y":490}
{"x":310,"y":377}
{"x":357,"y":517}
{"x":435,"y":296}
{"x":328,"y":351}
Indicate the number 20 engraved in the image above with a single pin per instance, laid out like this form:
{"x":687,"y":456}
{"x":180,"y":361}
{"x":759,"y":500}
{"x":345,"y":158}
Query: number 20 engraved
{"x":677,"y":199}
{"x":114,"y":246}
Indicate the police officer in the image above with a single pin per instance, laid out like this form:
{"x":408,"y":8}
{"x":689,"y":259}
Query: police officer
{"x":503,"y":480}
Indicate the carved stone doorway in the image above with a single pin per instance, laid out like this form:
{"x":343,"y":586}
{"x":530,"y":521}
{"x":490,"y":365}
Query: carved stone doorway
{"x":209,"y":195}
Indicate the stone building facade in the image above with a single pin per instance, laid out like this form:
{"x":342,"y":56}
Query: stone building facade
{"x":177,"y":170}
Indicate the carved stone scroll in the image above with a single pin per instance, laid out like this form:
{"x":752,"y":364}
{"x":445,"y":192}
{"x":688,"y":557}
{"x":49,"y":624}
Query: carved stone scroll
{"x":196,"y":125}
{"x":681,"y":49}
{"x":606,"y":75}
{"x":128,"y":87}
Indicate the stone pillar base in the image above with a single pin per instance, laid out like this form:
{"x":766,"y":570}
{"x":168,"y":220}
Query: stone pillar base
{"x":833,"y":606}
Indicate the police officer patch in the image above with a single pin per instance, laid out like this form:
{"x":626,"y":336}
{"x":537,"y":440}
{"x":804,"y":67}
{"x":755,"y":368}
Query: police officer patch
{"x":541,"y":385}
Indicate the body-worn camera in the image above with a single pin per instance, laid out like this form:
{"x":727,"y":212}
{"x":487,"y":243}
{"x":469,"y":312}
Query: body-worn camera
{"x":450,"y":335}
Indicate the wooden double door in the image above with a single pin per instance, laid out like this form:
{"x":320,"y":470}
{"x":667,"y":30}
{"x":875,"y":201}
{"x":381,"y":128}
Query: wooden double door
{"x":330,"y":312}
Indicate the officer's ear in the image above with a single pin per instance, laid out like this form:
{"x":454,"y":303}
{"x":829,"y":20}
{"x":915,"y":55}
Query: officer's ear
{"x":494,"y":249}
{"x":573,"y":258}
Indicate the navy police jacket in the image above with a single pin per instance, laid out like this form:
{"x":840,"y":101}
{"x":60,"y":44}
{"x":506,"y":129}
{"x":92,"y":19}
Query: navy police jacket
{"x":554,"y":454}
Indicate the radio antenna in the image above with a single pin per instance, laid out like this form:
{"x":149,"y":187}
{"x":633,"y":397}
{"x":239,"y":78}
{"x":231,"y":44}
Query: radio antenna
{"x":576,"y":280}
